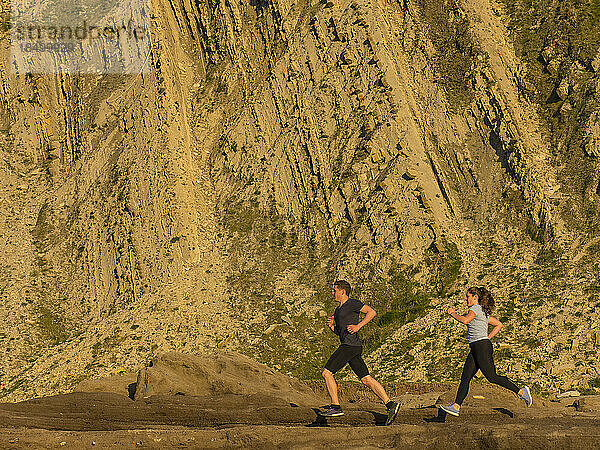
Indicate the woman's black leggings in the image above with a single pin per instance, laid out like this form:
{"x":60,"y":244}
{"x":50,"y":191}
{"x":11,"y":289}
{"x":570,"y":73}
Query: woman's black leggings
{"x":481,"y":357}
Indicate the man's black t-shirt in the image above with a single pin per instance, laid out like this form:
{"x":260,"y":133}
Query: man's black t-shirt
{"x":344,"y":315}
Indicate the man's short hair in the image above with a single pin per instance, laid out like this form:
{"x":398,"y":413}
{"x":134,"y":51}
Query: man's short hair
{"x":343,"y":284}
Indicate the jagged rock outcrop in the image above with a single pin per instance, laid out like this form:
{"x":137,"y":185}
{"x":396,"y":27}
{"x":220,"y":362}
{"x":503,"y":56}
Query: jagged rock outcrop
{"x":274,"y":147}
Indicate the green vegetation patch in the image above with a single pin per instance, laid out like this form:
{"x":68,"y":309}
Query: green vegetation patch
{"x":503,"y":353}
{"x":450,"y":267}
{"x":446,"y":368}
{"x":271,"y":259}
{"x":448,"y":30}
{"x":401,"y":350}
{"x":572,"y":25}
{"x":47,"y":284}
{"x":396,"y":299}
{"x":558,"y":41}
{"x":533,"y":230}
{"x":105,"y":345}
{"x":12,"y":386}
{"x":532,"y":342}
{"x":265,"y":250}
{"x":506,"y":310}
{"x":5,"y":21}
{"x":52,"y":325}
{"x":594,"y":249}
{"x":43,"y":231}
{"x":446,"y":264}
{"x":594,"y":383}
{"x":548,"y":256}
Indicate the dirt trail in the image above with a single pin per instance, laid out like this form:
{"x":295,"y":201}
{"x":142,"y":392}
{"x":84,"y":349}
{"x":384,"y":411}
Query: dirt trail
{"x":98,"y":420}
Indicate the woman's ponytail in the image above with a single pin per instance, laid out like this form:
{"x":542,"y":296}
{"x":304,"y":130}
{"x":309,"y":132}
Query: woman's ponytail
{"x":485,"y":299}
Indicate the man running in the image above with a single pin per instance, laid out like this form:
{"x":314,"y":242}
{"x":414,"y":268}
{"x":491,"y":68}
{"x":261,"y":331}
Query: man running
{"x":345,"y":323}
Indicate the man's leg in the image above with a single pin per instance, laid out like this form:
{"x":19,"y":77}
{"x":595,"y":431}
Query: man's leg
{"x":360,"y":369}
{"x":375,"y":387}
{"x":358,"y":366}
{"x":336,"y":361}
{"x":331,"y":387}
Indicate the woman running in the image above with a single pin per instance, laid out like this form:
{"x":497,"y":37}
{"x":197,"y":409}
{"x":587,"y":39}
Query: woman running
{"x":477,"y":320}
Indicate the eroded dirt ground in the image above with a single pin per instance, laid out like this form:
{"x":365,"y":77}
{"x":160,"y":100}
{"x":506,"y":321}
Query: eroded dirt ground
{"x":98,"y":420}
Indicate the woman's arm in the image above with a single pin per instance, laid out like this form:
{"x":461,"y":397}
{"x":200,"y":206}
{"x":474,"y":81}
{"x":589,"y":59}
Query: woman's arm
{"x":497,"y":326}
{"x":462,"y":319}
{"x":370,"y":313}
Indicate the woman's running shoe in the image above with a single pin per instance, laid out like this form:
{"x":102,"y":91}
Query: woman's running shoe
{"x":526,"y":397}
{"x":450,"y":409}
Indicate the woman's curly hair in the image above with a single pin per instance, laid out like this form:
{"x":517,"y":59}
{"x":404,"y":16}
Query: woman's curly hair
{"x":485,"y":299}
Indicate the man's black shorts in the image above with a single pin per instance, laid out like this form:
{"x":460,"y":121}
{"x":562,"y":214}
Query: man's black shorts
{"x":348,"y":354}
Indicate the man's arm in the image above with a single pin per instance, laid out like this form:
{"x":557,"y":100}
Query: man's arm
{"x":369,"y":314}
{"x":331,"y":325}
{"x":462,"y":319}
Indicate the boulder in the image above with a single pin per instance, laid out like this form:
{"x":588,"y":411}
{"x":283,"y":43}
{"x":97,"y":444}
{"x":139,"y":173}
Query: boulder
{"x":416,"y":401}
{"x":587,"y":403}
{"x":216,"y":374}
{"x":118,"y":384}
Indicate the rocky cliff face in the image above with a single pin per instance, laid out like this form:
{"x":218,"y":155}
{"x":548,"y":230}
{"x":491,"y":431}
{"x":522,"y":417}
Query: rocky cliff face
{"x":405,"y":146}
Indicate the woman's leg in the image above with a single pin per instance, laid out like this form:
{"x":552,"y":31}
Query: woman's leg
{"x":484,"y":357}
{"x":469,"y":371}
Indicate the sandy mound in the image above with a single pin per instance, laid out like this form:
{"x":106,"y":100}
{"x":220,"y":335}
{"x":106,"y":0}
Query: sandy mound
{"x":119,"y":384}
{"x":215,"y":374}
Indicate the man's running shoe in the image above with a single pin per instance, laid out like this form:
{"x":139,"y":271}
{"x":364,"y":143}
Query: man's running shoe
{"x":526,"y":397}
{"x":450,"y":409}
{"x":331,"y":411}
{"x":392,"y":410}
